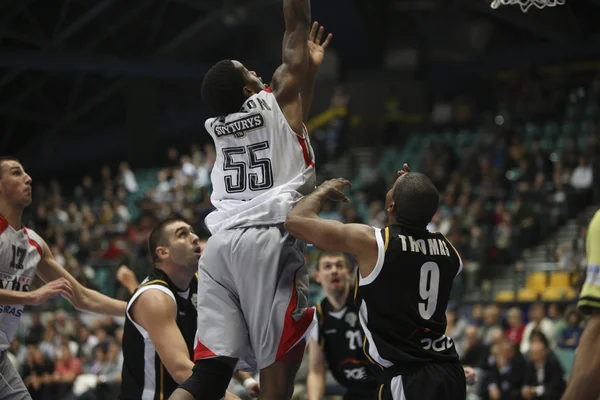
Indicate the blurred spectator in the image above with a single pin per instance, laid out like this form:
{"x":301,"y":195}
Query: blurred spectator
{"x":491,"y":324}
{"x":516,"y":327}
{"x":35,"y":331}
{"x":455,"y":328}
{"x":474,"y":352}
{"x":568,"y":337}
{"x":545,"y":376}
{"x":37,"y":374}
{"x":67,"y":368}
{"x":537,"y":321}
{"x":507,"y":376}
{"x":126,"y":178}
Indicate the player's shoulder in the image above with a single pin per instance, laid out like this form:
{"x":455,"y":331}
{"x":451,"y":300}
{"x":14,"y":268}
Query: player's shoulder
{"x":154,"y":288}
{"x":35,"y":240}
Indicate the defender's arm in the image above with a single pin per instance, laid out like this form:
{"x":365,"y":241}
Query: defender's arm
{"x":304,"y":223}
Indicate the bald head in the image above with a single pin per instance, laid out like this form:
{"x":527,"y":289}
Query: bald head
{"x":416,"y":199}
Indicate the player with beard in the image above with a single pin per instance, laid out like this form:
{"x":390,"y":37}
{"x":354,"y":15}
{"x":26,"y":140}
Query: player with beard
{"x":337,"y":340}
{"x":23,"y":255}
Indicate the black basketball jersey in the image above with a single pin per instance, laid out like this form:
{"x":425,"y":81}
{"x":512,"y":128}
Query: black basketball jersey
{"x":144,"y":376}
{"x":341,"y":339}
{"x":403,"y":301}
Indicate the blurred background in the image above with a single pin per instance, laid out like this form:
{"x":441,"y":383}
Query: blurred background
{"x":100,"y":101}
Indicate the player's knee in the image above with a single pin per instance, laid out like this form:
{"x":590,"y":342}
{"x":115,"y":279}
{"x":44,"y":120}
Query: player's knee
{"x":209,"y":379}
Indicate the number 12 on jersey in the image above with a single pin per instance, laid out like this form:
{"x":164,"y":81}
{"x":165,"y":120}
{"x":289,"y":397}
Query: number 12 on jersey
{"x":260,"y":179}
{"x":429,"y":285}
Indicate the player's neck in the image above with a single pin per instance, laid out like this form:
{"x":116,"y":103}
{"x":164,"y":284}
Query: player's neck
{"x":11,"y":215}
{"x":338,"y":300}
{"x":180,"y":277}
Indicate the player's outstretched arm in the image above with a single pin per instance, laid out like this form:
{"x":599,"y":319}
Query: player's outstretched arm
{"x":289,"y":79}
{"x":304,"y":223}
{"x":83,"y":299}
{"x":58,"y":287}
{"x":316,"y":54}
{"x":315,"y":381}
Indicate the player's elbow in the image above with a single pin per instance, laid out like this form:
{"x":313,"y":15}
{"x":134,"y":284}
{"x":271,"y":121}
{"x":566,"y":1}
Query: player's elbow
{"x":81,"y":300}
{"x":181,"y":374}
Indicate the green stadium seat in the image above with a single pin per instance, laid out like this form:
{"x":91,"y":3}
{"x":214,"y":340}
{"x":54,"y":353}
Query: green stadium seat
{"x":566,"y":358}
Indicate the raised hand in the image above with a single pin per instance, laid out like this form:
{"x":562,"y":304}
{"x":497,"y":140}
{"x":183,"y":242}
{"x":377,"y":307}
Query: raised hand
{"x":60,"y":286}
{"x":405,"y":169}
{"x":334,"y":189}
{"x":316,"y":49}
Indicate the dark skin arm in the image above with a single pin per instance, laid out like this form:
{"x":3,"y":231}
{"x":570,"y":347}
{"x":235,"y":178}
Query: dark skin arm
{"x":289,"y":79}
{"x":304,"y":223}
{"x":584,"y":383}
{"x":316,"y":51}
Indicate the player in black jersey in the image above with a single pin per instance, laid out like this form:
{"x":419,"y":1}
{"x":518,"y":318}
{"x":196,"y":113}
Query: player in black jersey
{"x":403,"y":286}
{"x":161,"y":316}
{"x":337,"y":341}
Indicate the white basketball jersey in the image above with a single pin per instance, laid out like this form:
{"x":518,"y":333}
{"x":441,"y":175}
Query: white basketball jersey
{"x":20,"y":254}
{"x":262,"y":166}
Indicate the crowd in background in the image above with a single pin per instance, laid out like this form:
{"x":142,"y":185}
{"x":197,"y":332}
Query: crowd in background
{"x":511,"y":354}
{"x":499,"y":197}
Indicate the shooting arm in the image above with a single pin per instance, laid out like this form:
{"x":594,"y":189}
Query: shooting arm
{"x":304,"y":223}
{"x":290,"y":78}
{"x":307,"y":93}
{"x":315,"y":382}
{"x":84,"y":299}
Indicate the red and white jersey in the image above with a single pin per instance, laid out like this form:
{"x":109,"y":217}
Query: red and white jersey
{"x":20,"y":254}
{"x":262,"y":166}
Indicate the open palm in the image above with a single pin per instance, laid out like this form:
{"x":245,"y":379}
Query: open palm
{"x":316,"y":49}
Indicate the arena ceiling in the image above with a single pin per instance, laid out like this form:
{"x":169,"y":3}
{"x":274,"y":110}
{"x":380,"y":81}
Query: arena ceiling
{"x":66,"y":65}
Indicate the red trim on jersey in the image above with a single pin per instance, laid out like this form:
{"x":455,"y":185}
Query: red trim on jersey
{"x":293,"y":330}
{"x":201,"y":351}
{"x":305,"y":153}
{"x":268,"y":89}
{"x":3,"y":224}
{"x":33,"y":242}
{"x":352,"y":361}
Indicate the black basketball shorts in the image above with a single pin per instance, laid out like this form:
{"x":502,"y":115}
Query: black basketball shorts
{"x":435,"y":381}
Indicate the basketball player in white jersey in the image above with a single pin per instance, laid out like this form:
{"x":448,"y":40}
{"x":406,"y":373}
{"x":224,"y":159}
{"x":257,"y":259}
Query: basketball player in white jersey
{"x":23,"y":254}
{"x":254,"y":309}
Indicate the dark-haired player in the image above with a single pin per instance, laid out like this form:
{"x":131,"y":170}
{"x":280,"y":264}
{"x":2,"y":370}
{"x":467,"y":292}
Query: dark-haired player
{"x":403,"y":286}
{"x":158,"y":338}
{"x":24,"y":254}
{"x":254,"y":308}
